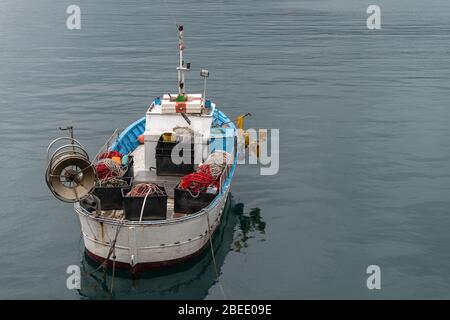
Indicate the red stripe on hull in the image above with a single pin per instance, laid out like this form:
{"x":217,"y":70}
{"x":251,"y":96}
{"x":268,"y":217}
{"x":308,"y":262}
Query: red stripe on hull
{"x":140,"y":267}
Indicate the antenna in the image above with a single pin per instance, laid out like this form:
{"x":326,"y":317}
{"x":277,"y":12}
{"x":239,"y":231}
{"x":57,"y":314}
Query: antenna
{"x":205,"y":74}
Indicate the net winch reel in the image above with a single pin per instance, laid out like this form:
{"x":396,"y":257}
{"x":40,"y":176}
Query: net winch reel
{"x":70,"y":175}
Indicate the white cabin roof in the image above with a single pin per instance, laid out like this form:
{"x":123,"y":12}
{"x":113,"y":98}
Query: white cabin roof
{"x":192,"y":105}
{"x":164,"y":117}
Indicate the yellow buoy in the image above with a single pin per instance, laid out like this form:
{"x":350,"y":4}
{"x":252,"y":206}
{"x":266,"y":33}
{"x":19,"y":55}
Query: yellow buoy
{"x":240,"y":124}
{"x":167,"y":137}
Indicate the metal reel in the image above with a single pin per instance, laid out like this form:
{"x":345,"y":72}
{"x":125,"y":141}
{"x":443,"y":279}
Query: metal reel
{"x":70,"y":175}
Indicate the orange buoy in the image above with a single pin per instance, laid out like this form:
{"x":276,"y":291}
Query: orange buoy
{"x":117,"y":160}
{"x":141,"y":139}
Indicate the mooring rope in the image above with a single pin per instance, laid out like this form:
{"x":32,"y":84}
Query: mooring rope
{"x":112,"y":247}
{"x":113,"y":271}
{"x":214,"y":258}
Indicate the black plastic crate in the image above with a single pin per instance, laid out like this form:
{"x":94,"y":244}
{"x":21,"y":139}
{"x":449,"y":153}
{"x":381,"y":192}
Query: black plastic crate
{"x":187,"y":204}
{"x":111,"y":197}
{"x":164,"y":164}
{"x":155,"y":206}
{"x":165,"y":148}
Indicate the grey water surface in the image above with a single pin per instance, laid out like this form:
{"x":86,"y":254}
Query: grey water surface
{"x":363,"y":115}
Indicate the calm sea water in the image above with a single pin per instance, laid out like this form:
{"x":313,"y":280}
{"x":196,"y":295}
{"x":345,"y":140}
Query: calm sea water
{"x":365,"y":140}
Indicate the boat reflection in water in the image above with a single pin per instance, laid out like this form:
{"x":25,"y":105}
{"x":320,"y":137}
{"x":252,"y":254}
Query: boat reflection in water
{"x":189,"y":280}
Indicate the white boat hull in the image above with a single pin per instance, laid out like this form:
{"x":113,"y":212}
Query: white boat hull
{"x":149,"y":244}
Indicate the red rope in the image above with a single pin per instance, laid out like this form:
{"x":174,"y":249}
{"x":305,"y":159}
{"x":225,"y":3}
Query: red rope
{"x":103,"y":172}
{"x":206,"y":168}
{"x":198,"y":182}
{"x":144,"y":189}
{"x":109,"y":155}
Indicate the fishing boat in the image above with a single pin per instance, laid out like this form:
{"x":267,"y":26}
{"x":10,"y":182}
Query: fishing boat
{"x":162,"y":212}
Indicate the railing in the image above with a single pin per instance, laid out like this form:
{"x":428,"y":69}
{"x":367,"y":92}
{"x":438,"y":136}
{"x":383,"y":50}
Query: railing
{"x":107,"y":144}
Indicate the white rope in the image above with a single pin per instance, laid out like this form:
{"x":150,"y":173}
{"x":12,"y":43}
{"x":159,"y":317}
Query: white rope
{"x":219,"y":157}
{"x":217,"y":161}
{"x":114,"y":167}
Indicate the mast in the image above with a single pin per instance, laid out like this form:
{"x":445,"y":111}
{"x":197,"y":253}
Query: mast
{"x":181,"y":68}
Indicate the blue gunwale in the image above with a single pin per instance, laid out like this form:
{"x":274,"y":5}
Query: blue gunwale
{"x":127,"y":141}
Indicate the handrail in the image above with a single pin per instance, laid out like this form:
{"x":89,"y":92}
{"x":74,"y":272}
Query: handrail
{"x":107,"y":144}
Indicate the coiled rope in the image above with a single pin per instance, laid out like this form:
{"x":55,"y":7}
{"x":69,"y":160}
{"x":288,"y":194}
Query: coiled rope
{"x":219,"y":157}
{"x":215,"y":163}
{"x":207,"y":175}
{"x":197,"y":182}
{"x":107,"y":168}
{"x":143,"y":189}
{"x":214,"y":170}
{"x":111,"y":183}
